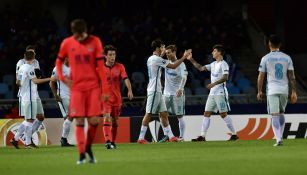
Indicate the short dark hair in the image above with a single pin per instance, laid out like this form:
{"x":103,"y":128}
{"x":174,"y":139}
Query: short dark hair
{"x":29,"y":55}
{"x":32,"y":47}
{"x":219,"y":48}
{"x":275,"y":41}
{"x":156,"y":43}
{"x":108,"y":48}
{"x":172,"y":47}
{"x":78,"y":26}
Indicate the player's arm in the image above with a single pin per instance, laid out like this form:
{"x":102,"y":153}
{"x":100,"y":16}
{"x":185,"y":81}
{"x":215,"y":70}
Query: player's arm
{"x":59,"y":62}
{"x":53,"y":87}
{"x":178,"y":62}
{"x":179,"y":91}
{"x":196,"y":64}
{"x":129,"y":87}
{"x":292,"y":83}
{"x":222,"y":80}
{"x":260,"y":80}
{"x":40,"y":81}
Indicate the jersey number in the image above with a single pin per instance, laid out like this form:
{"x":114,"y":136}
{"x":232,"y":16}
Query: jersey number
{"x":278,"y":71}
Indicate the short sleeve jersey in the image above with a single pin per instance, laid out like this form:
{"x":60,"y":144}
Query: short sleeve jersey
{"x":276,"y":64}
{"x":154,"y":65}
{"x":173,"y":78}
{"x":63,"y":91}
{"x":82,"y":58}
{"x":28,"y":89}
{"x":114,"y":75}
{"x":218,"y":69}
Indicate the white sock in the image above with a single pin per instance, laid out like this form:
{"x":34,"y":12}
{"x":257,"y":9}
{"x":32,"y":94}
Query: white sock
{"x":36,"y":125}
{"x":229,"y":124}
{"x":276,"y":128}
{"x":168,"y":131}
{"x":282,"y":122}
{"x":28,"y":131}
{"x":181,"y":124}
{"x":143,"y":132}
{"x":20,"y":130}
{"x":205,"y":126}
{"x":66,"y":128}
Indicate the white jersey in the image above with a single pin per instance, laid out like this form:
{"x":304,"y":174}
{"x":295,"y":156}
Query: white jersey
{"x":35,"y":65}
{"x":218,"y":69}
{"x":28,"y":89}
{"x":276,"y":64}
{"x":63,"y":91}
{"x":173,"y":78}
{"x":22,"y":61}
{"x":154,"y":65}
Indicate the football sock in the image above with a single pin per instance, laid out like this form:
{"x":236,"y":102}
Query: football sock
{"x":276,"y":128}
{"x":143,"y":132}
{"x":107,"y":131}
{"x":181,"y":124}
{"x":229,"y":124}
{"x":114,"y":132}
{"x":36,"y":125}
{"x":168,"y":131}
{"x":66,"y":128}
{"x":28,"y":132}
{"x":80,"y":138}
{"x":91,"y":132}
{"x":20,"y":130}
{"x":205,"y":125}
{"x":282,"y":123}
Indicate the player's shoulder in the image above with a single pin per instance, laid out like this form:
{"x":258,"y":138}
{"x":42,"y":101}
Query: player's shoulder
{"x":21,"y":61}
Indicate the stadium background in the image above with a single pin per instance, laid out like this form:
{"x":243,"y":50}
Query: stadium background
{"x":241,"y":26}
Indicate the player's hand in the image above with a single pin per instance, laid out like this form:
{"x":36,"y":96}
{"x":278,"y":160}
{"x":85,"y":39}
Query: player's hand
{"x":211,"y":85}
{"x":67,"y":81}
{"x":187,"y":53}
{"x":293,"y":97}
{"x":130,"y":95}
{"x":189,"y":56}
{"x":179,"y":93}
{"x":57,"y":98}
{"x":260,"y":96}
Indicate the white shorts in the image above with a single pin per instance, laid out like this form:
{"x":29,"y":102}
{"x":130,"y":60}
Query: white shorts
{"x":28,"y":109}
{"x":217,"y":103}
{"x":64,"y":106}
{"x":40,"y":109}
{"x":155,"y":103}
{"x":277,"y":103}
{"x":175,"y":105}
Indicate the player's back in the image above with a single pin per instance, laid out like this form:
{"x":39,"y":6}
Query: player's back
{"x":154,"y":65}
{"x":82,"y":61}
{"x":63,"y":90}
{"x":28,"y":89}
{"x":276,"y":64}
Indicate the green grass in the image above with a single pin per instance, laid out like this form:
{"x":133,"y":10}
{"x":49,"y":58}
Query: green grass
{"x":241,"y":157}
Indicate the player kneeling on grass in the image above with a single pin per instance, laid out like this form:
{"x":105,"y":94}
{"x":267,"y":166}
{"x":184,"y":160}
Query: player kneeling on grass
{"x":28,"y":81}
{"x":61,"y":93}
{"x":115,"y":72}
{"x":218,"y":96}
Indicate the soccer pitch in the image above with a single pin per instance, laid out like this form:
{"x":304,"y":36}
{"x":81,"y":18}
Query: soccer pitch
{"x":186,"y":158}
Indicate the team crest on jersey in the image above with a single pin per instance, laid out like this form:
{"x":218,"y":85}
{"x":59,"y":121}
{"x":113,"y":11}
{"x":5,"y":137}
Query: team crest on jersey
{"x":90,"y":49}
{"x":31,"y":73}
{"x":163,"y":61}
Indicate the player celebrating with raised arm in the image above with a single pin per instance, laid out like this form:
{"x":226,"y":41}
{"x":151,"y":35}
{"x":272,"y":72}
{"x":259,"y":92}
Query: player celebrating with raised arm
{"x":218,"y":96}
{"x":173,"y":93}
{"x":155,"y":103}
{"x":61,"y":93}
{"x":84,"y":53}
{"x":280,"y":72}
{"x":115,"y":72}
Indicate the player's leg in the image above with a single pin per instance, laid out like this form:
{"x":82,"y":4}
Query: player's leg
{"x":77,"y":110}
{"x":30,"y":115}
{"x":64,"y":105}
{"x":274,"y":111}
{"x":179,"y":111}
{"x":164,"y":119}
{"x":282,"y":105}
{"x":116,"y":110}
{"x":93,"y":106}
{"x":168,"y":103}
{"x":21,"y":127}
{"x":107,"y":124}
{"x":40,"y":116}
{"x":151,"y":108}
{"x":209,"y":108}
{"x":223,"y":107}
